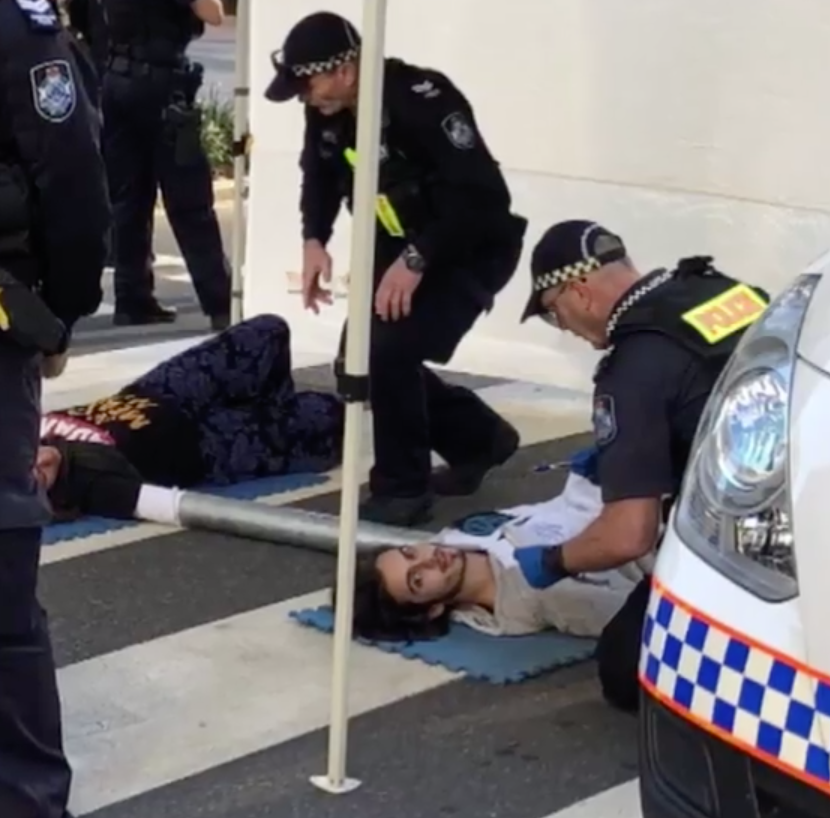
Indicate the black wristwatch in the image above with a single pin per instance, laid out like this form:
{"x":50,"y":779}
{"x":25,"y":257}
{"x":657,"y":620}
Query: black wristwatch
{"x":413,"y":259}
{"x":555,"y":563}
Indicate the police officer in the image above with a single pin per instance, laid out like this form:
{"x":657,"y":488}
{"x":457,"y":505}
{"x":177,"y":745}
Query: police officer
{"x":664,"y":357}
{"x":53,"y":220}
{"x":152,"y":140}
{"x":446,"y":244}
{"x":86,"y":19}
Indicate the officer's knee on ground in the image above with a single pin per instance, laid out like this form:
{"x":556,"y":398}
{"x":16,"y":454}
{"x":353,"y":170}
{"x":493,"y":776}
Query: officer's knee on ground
{"x":618,"y":651}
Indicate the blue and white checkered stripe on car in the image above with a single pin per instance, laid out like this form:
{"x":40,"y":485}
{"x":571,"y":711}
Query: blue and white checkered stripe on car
{"x":767,"y":704}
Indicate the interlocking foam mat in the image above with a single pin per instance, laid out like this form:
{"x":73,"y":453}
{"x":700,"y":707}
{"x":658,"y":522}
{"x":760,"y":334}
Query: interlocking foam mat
{"x":495,"y":659}
{"x":87,"y":526}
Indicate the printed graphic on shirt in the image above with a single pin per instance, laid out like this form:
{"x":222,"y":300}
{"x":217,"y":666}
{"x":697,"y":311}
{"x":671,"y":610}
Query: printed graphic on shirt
{"x":131,"y":411}
{"x":604,"y":420}
{"x":459,"y":131}
{"x":69,"y":428}
{"x":54,"y":91}
{"x":483,"y":523}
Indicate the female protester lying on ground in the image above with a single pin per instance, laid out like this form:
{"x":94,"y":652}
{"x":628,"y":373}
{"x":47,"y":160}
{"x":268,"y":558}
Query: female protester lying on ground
{"x":469,"y":573}
{"x":221,"y":412}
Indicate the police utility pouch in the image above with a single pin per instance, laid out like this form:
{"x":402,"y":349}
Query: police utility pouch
{"x":15,"y":211}
{"x":26,"y":320}
{"x":184,"y":123}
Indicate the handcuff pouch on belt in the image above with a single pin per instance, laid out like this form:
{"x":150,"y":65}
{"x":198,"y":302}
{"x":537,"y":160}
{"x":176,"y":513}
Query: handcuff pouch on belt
{"x":183,"y":118}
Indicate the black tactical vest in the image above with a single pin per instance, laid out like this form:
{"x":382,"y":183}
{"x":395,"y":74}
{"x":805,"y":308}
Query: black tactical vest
{"x":695,"y":304}
{"x":153,"y":31}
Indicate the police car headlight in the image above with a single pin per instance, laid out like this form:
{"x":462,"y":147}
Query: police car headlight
{"x":734,"y":508}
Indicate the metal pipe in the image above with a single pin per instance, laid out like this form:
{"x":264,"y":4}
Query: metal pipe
{"x":290,"y":526}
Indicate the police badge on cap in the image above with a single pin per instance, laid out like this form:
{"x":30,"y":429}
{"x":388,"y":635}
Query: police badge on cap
{"x":54,"y":92}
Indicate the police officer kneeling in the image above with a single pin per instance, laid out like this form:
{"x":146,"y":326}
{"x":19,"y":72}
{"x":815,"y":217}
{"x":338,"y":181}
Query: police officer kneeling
{"x":447,"y":243}
{"x":668,"y":335}
{"x":54,"y":216}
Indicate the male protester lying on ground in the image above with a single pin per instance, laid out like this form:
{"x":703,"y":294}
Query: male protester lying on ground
{"x":469,"y":573}
{"x":221,"y":412}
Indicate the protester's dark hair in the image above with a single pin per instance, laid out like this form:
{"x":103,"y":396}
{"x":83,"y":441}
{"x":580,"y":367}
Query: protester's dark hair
{"x":380,"y":618}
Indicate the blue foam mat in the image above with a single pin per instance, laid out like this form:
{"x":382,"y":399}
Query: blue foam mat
{"x":496,"y":659}
{"x":87,"y":526}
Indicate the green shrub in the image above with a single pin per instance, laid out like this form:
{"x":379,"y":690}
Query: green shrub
{"x":217,"y":132}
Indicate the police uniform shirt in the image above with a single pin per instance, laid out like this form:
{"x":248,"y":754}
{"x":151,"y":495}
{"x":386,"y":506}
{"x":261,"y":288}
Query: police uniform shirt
{"x":429,"y":125}
{"x":153,"y":434}
{"x":648,"y":399}
{"x":49,"y":126}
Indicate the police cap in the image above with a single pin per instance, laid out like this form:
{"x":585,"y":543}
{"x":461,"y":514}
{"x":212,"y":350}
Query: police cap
{"x":316,"y":45}
{"x":568,"y":251}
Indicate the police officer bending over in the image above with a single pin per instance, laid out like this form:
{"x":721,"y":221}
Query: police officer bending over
{"x":668,"y":335}
{"x":53,"y":221}
{"x":446,"y":244}
{"x":152,"y":140}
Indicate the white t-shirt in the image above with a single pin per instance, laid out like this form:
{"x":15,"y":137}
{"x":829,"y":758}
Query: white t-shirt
{"x":580,"y":606}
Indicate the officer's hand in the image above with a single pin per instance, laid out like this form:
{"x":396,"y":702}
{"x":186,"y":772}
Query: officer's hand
{"x":53,"y":366}
{"x":316,"y":265}
{"x":393,"y":299}
{"x":534,"y":566}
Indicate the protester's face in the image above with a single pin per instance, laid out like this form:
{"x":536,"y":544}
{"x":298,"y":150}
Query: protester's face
{"x":47,"y":466}
{"x":423,"y":574}
{"x":331,"y":92}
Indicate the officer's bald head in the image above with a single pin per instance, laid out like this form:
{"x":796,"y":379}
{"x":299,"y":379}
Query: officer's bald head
{"x":583,"y":305}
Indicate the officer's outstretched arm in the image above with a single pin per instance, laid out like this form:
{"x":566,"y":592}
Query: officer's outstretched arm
{"x":211,"y":12}
{"x":471,"y":192}
{"x":635,"y":403}
{"x":320,"y":194}
{"x":56,"y":133}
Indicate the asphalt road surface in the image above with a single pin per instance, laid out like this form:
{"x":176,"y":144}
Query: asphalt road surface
{"x":188,"y":692}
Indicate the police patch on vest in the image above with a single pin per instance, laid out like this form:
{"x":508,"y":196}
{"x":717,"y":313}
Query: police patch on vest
{"x":54,"y":92}
{"x":460,"y":131}
{"x":727,"y":313}
{"x":39,"y":14}
{"x":604,"y":420}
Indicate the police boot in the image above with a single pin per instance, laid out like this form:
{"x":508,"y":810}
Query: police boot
{"x":403,"y":512}
{"x":462,"y":479}
{"x":150,"y":313}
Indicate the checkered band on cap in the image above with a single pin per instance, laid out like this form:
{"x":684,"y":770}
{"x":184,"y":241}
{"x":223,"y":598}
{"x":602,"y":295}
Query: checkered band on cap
{"x":544,"y":281}
{"x":766,"y":704}
{"x":311,"y":69}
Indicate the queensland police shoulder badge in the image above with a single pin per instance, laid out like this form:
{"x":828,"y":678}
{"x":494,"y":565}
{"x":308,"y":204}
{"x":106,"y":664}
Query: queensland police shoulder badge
{"x":604,"y":420}
{"x":54,"y":92}
{"x":459,"y":131}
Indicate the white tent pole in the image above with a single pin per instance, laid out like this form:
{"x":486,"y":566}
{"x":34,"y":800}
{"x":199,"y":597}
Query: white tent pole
{"x":241,"y":117}
{"x":369,"y":112}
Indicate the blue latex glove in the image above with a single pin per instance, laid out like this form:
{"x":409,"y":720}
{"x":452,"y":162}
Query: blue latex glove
{"x":586,"y":463}
{"x":535,"y":567}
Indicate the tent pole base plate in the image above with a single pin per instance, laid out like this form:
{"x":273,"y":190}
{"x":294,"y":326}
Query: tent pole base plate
{"x":346,"y":785}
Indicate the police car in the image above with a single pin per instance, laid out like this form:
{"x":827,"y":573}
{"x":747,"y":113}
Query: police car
{"x":735,"y":662}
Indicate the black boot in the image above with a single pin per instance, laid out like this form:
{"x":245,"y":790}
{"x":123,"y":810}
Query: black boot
{"x":403,"y":512}
{"x":150,"y":313}
{"x":462,"y":479}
